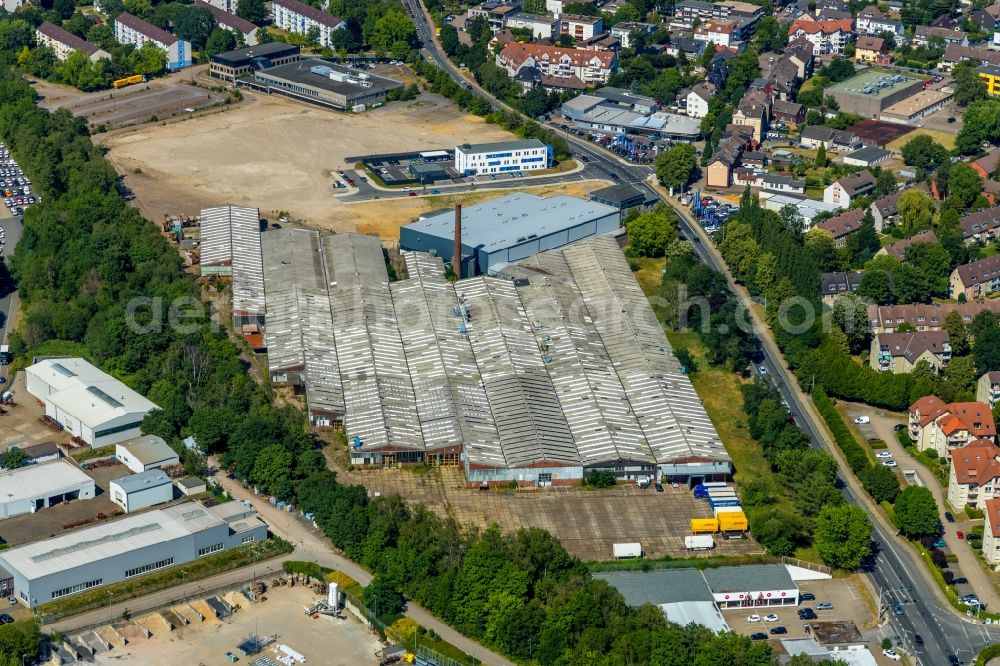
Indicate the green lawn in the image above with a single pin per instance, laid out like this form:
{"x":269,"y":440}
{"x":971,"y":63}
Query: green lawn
{"x":650,"y":274}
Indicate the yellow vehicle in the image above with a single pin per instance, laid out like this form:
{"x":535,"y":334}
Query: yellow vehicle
{"x":129,"y":81}
{"x":704,"y":525}
{"x":733,"y":521}
{"x":437,"y":31}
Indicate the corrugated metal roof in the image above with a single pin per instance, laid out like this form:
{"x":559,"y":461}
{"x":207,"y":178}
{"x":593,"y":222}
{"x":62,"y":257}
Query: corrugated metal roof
{"x":49,"y":478}
{"x":152,"y":478}
{"x":230,"y":236}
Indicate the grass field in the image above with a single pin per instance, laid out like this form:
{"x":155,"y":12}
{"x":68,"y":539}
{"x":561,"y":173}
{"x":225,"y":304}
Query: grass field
{"x":649,"y":274}
{"x":944,"y":138}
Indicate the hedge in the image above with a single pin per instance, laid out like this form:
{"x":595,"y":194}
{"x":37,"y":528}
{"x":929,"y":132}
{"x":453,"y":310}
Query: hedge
{"x":855,"y":454}
{"x":989,"y":652}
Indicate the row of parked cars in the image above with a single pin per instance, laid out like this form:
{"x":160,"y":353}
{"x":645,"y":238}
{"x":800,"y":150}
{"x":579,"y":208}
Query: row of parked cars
{"x":14,"y":185}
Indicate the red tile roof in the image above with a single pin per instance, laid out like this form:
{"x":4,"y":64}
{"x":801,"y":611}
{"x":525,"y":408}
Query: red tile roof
{"x":812,"y":27}
{"x":929,"y":407}
{"x":976,"y":462}
{"x":993,"y":515}
{"x":516,"y":54}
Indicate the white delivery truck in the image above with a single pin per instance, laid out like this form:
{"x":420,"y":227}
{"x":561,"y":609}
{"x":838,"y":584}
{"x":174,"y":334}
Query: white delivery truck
{"x":699,"y":542}
{"x":625,"y":551}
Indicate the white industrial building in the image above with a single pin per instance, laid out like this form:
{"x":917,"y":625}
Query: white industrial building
{"x":114,"y":551}
{"x":502,"y":157}
{"x":145,"y":453}
{"x":230,"y":247}
{"x":138,"y":491}
{"x":88,"y":403}
{"x":35,"y":487}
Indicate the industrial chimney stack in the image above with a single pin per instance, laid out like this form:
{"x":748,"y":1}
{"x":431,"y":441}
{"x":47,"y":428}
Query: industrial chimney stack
{"x":456,"y":257}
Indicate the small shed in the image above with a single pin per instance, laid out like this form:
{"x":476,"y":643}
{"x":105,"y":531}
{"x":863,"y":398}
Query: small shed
{"x":144,"y":453}
{"x":191,"y":485}
{"x":142,"y":490}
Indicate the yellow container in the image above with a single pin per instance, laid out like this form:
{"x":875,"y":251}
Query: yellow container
{"x":704,"y":525}
{"x":733,"y":521}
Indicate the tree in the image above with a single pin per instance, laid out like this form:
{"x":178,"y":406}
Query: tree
{"x":980,"y":123}
{"x":13,"y":458}
{"x":850,"y":313}
{"x":924,"y":152}
{"x":449,"y":39}
{"x":219,"y":41}
{"x":916,"y":513}
{"x":381,"y":599}
{"x":964,"y":185}
{"x":843,"y":536}
{"x":881,"y":483}
{"x":251,"y":10}
{"x":649,"y":233}
{"x":393,"y":26}
{"x":957,"y":335}
{"x":885,"y":183}
{"x":63,"y":8}
{"x":968,"y":86}
{"x":863,"y":244}
{"x":313,"y":34}
{"x":875,"y":286}
{"x":676,"y":167}
{"x":821,"y":156}
{"x":986,"y":348}
{"x":839,"y":69}
{"x":769,"y":35}
{"x":910,"y":285}
{"x":193,"y":24}
{"x":823,"y":248}
{"x":916,"y":210}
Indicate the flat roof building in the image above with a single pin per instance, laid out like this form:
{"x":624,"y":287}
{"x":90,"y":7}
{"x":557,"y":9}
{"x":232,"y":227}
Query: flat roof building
{"x":138,"y":491}
{"x":233,"y":64}
{"x":509,"y":228}
{"x":230,"y":247}
{"x":502,"y":156}
{"x":145,"y":453}
{"x":114,"y":551}
{"x":504,"y":375}
{"x":323,"y":83}
{"x":871,"y":92}
{"x":34,"y":487}
{"x":912,"y":109}
{"x":621,"y":197}
{"x":91,"y":405}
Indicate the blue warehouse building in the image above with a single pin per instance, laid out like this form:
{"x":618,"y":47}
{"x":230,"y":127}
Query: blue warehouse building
{"x":509,"y":229}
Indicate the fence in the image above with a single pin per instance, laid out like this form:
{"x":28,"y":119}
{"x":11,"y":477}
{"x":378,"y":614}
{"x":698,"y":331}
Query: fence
{"x":812,"y":566}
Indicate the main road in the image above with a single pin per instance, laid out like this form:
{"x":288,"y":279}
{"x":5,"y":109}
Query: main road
{"x":895,"y":571}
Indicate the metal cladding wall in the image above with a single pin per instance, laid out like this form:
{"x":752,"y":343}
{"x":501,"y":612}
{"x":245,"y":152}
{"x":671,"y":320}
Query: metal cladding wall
{"x":557,"y":239}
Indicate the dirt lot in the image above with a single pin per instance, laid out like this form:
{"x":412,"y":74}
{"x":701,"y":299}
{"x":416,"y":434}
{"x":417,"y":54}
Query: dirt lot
{"x":586,"y":522}
{"x":277,"y":155}
{"x":321,"y":641}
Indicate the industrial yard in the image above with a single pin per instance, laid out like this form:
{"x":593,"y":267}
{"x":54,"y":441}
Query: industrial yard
{"x":278,"y":155}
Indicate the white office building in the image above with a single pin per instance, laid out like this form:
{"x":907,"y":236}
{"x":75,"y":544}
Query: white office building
{"x":138,"y":491}
{"x":35,"y":487}
{"x":298,"y":17}
{"x":113,"y":551}
{"x":91,"y":405}
{"x":502,"y":157}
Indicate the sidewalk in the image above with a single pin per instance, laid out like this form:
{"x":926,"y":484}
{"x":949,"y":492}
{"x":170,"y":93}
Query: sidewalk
{"x":313,"y":546}
{"x":967,"y":560}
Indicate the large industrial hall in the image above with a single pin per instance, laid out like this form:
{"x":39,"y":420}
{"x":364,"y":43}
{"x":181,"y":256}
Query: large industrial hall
{"x":557,"y":368}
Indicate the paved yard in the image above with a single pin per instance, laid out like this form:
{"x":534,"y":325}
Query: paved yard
{"x":586,"y":522}
{"x":325,"y":640}
{"x":21,"y":425}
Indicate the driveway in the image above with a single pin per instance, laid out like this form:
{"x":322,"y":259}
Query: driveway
{"x":8,"y":301}
{"x":881,"y":426}
{"x":312,"y":545}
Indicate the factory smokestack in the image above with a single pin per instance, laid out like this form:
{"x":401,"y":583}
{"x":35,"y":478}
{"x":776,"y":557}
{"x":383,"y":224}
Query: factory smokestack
{"x":456,"y":257}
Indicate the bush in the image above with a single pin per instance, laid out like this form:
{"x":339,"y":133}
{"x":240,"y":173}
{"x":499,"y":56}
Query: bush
{"x":886,"y":643}
{"x":856,"y":456}
{"x":939,"y":559}
{"x":599,"y":478}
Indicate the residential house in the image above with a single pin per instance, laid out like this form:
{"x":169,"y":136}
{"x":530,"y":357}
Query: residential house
{"x":800,"y":52}
{"x":925,"y":317}
{"x":983,"y":20}
{"x":988,"y":388}
{"x":898,"y":248}
{"x":785,"y":79}
{"x":833,"y":285}
{"x":495,"y":13}
{"x":231,"y":22}
{"x":62,"y":42}
{"x":867,"y":156}
{"x":698,"y":98}
{"x":590,"y":67}
{"x":716,"y":32}
{"x":579,"y":26}
{"x":602,"y":42}
{"x":884,"y":211}
{"x":623,"y":32}
{"x":753,"y":111}
{"x":827,"y":37}
{"x":991,"y":533}
{"x":986,"y":165}
{"x":769,"y":182}
{"x":541,"y":26}
{"x":974,"y":477}
{"x":844,"y":191}
{"x":942,"y":428}
{"x":843,"y":225}
{"x":872,"y":50}
{"x":790,"y":113}
{"x":871,"y":21}
{"x":982,"y":226}
{"x":299,"y":18}
{"x":976,"y":279}
{"x":814,"y":136}
{"x":725,"y":159}
{"x":954,"y":54}
{"x":131,"y":29}
{"x":899,"y":353}
{"x":950,"y":36}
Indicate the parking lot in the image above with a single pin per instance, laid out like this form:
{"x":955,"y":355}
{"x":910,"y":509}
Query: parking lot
{"x":15,"y":188}
{"x":324,"y":640}
{"x":586,"y":522}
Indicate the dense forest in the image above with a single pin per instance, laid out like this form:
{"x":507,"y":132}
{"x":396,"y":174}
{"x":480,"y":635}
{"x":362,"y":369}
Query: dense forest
{"x":88,"y":265}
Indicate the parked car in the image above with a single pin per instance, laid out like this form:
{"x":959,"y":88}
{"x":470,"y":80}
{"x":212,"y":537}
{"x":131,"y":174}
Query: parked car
{"x":777,"y":631}
{"x":918,"y":639}
{"x":949,"y":517}
{"x":960,"y":534}
{"x":807,"y":614}
{"x":862,"y":420}
{"x":6,"y":619}
{"x":753,"y":618}
{"x":826,"y":605}
{"x":771,"y":618}
{"x":883,"y":455}
{"x":891,"y":654}
{"x":953,"y":660}
{"x":940,"y":543}
{"x":807,"y":596}
{"x":889,"y":463}
{"x":762,"y":370}
{"x":899,"y":426}
{"x":759,"y":636}
{"x":961,"y":580}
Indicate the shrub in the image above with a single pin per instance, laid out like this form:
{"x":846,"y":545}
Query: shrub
{"x":599,"y":478}
{"x":856,"y":456}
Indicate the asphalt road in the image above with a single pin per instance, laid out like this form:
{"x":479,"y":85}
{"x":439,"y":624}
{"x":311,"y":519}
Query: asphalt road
{"x":9,"y":302}
{"x":892,"y":570}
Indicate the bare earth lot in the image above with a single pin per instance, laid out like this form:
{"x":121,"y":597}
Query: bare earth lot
{"x":586,"y":522}
{"x":277,"y":155}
